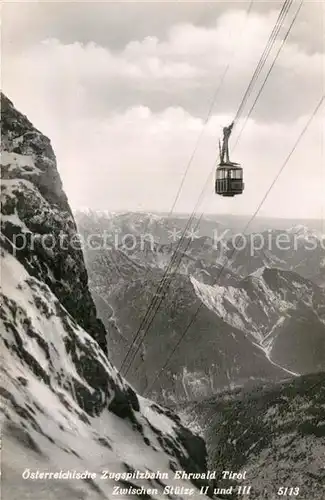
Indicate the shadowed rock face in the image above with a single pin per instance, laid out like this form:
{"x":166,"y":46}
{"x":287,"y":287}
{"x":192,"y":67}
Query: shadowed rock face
{"x":38,"y":218}
{"x":66,"y":405}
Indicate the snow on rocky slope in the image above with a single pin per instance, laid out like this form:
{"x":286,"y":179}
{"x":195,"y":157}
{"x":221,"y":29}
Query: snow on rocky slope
{"x":65,"y":407}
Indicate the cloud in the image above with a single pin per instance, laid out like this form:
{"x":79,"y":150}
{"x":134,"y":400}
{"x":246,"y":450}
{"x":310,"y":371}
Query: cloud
{"x":124,"y":122}
{"x":114,"y":24}
{"x":182,"y":70}
{"x":135,"y":160}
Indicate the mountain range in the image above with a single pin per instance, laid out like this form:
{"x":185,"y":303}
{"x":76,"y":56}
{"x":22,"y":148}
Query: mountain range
{"x":259,"y":318}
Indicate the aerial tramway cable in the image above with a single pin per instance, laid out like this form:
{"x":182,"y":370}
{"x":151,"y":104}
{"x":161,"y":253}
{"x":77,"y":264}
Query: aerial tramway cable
{"x":268,"y":73}
{"x":281,"y":17}
{"x":213,"y":101}
{"x":158,"y":295}
{"x":148,"y":388}
{"x":174,"y":256}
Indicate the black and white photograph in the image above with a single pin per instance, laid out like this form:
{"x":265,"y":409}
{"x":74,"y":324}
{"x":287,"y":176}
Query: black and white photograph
{"x":162,"y":250}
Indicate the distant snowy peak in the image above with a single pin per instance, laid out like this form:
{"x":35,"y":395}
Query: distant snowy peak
{"x":303,"y":232}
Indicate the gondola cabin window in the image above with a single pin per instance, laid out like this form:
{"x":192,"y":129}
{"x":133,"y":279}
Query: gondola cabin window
{"x":229,"y":180}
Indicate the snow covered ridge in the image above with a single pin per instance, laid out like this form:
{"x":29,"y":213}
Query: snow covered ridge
{"x":65,"y":405}
{"x":304,"y":232}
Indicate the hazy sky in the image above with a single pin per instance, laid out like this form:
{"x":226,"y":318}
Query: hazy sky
{"x":123,"y":91}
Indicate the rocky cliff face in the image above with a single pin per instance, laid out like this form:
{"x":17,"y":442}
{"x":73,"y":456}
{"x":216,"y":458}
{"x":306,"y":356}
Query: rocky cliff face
{"x":38,"y":219}
{"x":66,"y":406}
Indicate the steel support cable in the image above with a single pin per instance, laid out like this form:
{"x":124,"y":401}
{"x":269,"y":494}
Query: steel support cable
{"x":280,"y":17}
{"x":248,"y":11}
{"x":151,"y":308}
{"x":166,"y":285}
{"x":284,"y":11}
{"x":172,"y":262}
{"x":210,"y":109}
{"x":266,"y":52}
{"x":268,"y":73}
{"x":269,"y":45}
{"x":167,"y":278}
{"x":234,"y":249}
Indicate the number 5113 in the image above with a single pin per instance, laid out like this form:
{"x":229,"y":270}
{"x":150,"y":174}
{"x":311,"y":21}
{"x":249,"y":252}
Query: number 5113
{"x":288,"y":491}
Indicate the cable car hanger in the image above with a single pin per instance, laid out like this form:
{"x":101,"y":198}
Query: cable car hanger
{"x":229,"y":178}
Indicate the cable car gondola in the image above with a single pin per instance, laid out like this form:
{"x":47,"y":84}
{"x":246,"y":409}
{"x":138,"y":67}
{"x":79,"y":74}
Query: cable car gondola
{"x":229,"y":178}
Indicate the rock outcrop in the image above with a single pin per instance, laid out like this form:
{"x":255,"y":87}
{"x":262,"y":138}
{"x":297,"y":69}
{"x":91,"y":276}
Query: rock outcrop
{"x":38,"y":219}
